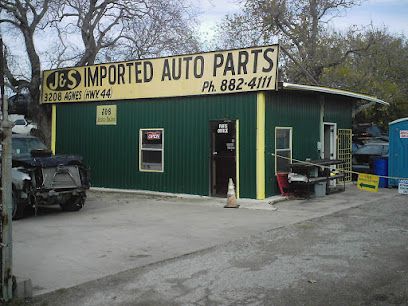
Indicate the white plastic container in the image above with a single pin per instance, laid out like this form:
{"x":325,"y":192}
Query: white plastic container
{"x":320,"y":189}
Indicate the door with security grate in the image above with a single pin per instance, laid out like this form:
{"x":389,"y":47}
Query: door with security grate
{"x":344,"y":152}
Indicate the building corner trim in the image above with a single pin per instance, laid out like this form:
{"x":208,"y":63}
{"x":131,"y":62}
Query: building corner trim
{"x":260,"y":146}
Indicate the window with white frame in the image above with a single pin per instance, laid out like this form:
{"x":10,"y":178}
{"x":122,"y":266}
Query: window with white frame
{"x":283,"y":148}
{"x":151,"y":146}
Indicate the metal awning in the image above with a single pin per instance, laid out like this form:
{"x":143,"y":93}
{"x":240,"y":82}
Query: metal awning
{"x":332,"y":91}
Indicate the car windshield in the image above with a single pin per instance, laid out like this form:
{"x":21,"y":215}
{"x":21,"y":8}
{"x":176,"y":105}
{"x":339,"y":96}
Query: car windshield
{"x":374,"y":131}
{"x":19,"y":122}
{"x":373,"y":150}
{"x":24,"y":146}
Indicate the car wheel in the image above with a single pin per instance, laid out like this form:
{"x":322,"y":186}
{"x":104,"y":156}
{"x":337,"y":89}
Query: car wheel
{"x":18,"y":207}
{"x":33,"y":132}
{"x":75,"y":203}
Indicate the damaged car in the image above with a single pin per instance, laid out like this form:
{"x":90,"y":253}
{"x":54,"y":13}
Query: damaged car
{"x":40,"y":178}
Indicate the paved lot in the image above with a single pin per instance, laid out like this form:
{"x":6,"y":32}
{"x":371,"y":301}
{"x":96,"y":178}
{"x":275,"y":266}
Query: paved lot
{"x":356,"y":256}
{"x":118,"y":232}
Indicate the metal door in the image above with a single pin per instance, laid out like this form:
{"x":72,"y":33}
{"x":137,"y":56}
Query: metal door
{"x":223,"y":155}
{"x":344,"y":152}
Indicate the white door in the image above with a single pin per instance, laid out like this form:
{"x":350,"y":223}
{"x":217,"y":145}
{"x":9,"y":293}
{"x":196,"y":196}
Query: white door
{"x":329,"y":140}
{"x":329,"y":144}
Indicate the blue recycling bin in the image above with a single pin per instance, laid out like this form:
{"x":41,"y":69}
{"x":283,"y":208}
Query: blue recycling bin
{"x":381,"y":168}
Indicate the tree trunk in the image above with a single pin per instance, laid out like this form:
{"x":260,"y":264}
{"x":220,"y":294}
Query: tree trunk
{"x":41,"y":114}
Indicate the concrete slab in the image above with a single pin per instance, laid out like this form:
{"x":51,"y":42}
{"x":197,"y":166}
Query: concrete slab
{"x":115,"y":231}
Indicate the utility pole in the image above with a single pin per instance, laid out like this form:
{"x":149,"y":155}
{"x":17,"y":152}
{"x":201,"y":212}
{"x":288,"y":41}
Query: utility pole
{"x":6,"y":195}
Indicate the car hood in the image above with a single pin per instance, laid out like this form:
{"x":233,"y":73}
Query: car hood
{"x":46,"y":161}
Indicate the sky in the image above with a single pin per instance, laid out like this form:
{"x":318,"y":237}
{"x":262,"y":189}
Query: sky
{"x":390,"y":13}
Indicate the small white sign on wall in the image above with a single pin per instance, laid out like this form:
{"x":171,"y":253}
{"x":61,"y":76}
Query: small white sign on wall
{"x":222,"y":128}
{"x":106,"y":115}
{"x":403,"y":187}
{"x":403,"y":133}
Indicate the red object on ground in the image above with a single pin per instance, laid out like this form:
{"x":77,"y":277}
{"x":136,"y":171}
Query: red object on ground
{"x":283,"y":183}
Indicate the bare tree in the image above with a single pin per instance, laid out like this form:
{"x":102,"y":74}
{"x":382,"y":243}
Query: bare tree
{"x":167,"y":29}
{"x":87,"y":31}
{"x":92,"y":31}
{"x":301,"y":27}
{"x":26,"y":16}
{"x":98,"y":23}
{"x":241,"y":30}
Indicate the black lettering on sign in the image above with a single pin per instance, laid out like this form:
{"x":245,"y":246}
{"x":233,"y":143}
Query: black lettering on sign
{"x":148,"y":71}
{"x":121,"y":74}
{"x":129,"y":66}
{"x":91,"y":94}
{"x":176,"y":68}
{"x":103,"y":71}
{"x":229,"y":65}
{"x":138,"y":72}
{"x":63,"y":80}
{"x":218,"y":62}
{"x":268,"y":59}
{"x":181,"y":67}
{"x":242,"y":62}
{"x":187,"y":60}
{"x":106,"y":111}
{"x":73,"y":95}
{"x":112,"y":75}
{"x":256,"y":54}
{"x":91,"y":79}
{"x":166,"y":70}
{"x":198,"y":67}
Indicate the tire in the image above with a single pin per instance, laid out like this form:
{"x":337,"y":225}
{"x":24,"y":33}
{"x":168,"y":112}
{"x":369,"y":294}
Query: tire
{"x":75,"y":203}
{"x":18,"y":207}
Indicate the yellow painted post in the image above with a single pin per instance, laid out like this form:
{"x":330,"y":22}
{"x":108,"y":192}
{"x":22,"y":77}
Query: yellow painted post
{"x":260,"y":146}
{"x":53,"y":128}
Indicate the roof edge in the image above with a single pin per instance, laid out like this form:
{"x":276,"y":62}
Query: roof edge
{"x":398,"y":120}
{"x":332,"y":91}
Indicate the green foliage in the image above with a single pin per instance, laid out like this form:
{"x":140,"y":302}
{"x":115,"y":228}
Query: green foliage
{"x":369,"y":61}
{"x":381,"y":71}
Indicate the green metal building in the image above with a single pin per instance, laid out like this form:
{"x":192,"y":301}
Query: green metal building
{"x":254,"y":122}
{"x":192,"y":144}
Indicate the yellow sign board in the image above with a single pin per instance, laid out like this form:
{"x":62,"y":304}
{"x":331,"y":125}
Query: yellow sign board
{"x":106,"y":115}
{"x":218,"y":72}
{"x":368,"y":182}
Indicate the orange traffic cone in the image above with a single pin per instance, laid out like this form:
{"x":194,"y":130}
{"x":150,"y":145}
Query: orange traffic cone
{"x":231,"y":199}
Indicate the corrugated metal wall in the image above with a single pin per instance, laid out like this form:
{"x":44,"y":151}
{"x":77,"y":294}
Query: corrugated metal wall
{"x":338,"y":110}
{"x":302,"y":113}
{"x":112,"y":151}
